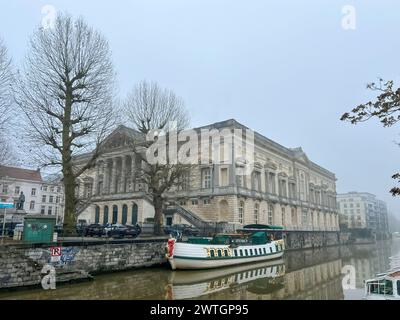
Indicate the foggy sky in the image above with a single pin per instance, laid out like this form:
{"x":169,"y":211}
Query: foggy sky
{"x":286,"y":69}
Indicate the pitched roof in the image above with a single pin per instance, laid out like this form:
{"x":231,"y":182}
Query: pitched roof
{"x":21,"y":174}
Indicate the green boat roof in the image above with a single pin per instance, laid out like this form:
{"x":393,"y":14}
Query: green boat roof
{"x":263,"y":226}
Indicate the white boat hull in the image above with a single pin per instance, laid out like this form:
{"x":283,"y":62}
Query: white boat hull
{"x":197,"y":256}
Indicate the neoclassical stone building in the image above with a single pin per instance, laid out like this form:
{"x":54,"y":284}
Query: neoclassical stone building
{"x":284,"y":187}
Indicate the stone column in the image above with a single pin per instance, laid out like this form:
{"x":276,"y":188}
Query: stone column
{"x":113,"y":176}
{"x":95,"y":190}
{"x":106,"y":180}
{"x":123,"y":175}
{"x":133,"y":172}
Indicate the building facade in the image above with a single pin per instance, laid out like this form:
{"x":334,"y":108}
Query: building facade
{"x":362,"y":210}
{"x":42,"y":196}
{"x":283,"y":187}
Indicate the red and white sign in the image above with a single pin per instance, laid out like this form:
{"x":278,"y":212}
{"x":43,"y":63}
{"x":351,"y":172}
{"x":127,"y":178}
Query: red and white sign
{"x":55,"y":251}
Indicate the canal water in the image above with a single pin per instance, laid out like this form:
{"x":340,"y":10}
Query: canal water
{"x":309,"y":274}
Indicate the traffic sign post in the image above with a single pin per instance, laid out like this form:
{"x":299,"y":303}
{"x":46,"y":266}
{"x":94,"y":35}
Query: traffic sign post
{"x":5,"y":205}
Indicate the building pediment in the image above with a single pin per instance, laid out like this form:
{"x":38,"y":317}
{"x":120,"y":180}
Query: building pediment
{"x":121,"y":137}
{"x":300,"y":155}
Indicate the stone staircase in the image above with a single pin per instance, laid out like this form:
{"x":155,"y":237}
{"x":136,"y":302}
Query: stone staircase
{"x":189,"y":216}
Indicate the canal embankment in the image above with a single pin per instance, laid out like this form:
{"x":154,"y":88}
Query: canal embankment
{"x":25,"y":265}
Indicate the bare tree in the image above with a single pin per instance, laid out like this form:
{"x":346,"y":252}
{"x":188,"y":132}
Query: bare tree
{"x":66,"y":94}
{"x":385,"y":108}
{"x":150,"y":108}
{"x":5,"y":102}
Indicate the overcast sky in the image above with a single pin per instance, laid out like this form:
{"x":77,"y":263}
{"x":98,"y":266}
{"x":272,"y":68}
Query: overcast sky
{"x":287,"y":69}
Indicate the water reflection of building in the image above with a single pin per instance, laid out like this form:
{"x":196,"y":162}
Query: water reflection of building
{"x":194,"y":284}
{"x":368,"y":260}
{"x":322,"y":281}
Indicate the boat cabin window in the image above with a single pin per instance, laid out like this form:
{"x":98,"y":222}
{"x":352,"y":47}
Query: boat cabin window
{"x":212,"y":253}
{"x":384,"y":287}
{"x":246,"y":252}
{"x":270,"y":249}
{"x":251,"y":252}
{"x":219,"y":253}
{"x":265,"y":251}
{"x":398,"y":287}
{"x":260,"y":251}
{"x":226,"y":253}
{"x":236,"y":253}
{"x":241,"y":252}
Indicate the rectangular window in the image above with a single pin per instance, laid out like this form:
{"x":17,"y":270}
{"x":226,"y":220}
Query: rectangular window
{"x":50,"y":211}
{"x":206,"y":178}
{"x":257,"y":181}
{"x":58,"y":189}
{"x":42,"y":209}
{"x":32,"y":205}
{"x":241,"y":212}
{"x":271,"y":183}
{"x":45,"y":188}
{"x":57,"y":199}
{"x":206,"y":201}
{"x":33,"y":192}
{"x":51,"y":198}
{"x":17,"y":190}
{"x":184,"y":181}
{"x":5,"y":189}
{"x":195,"y":202}
{"x":44,"y":199}
{"x":256,"y":212}
{"x":51,"y":189}
{"x":56,"y":212}
{"x":224,"y":177}
{"x":270,"y":214}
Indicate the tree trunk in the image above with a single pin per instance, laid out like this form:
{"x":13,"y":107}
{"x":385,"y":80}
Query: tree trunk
{"x":70,"y":202}
{"x":68,"y":173}
{"x":158,"y":214}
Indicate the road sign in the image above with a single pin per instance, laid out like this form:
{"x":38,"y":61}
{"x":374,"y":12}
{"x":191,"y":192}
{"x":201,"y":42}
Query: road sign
{"x":55,"y":251}
{"x":55,"y":254}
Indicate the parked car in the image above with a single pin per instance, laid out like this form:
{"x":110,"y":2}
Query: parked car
{"x":124,"y":231}
{"x":58,"y":229}
{"x":19,"y":227}
{"x":107,"y":227}
{"x":94,"y":230}
{"x":181,"y":229}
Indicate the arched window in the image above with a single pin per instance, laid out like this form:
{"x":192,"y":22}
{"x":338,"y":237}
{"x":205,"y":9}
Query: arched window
{"x":256,"y":212}
{"x":134,"y":214}
{"x":124,"y":214}
{"x":241,"y":212}
{"x":115,"y":214}
{"x":97,"y":215}
{"x":105,"y":215}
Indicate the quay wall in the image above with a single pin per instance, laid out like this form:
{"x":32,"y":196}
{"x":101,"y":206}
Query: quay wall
{"x":25,"y":265}
{"x":295,"y":240}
